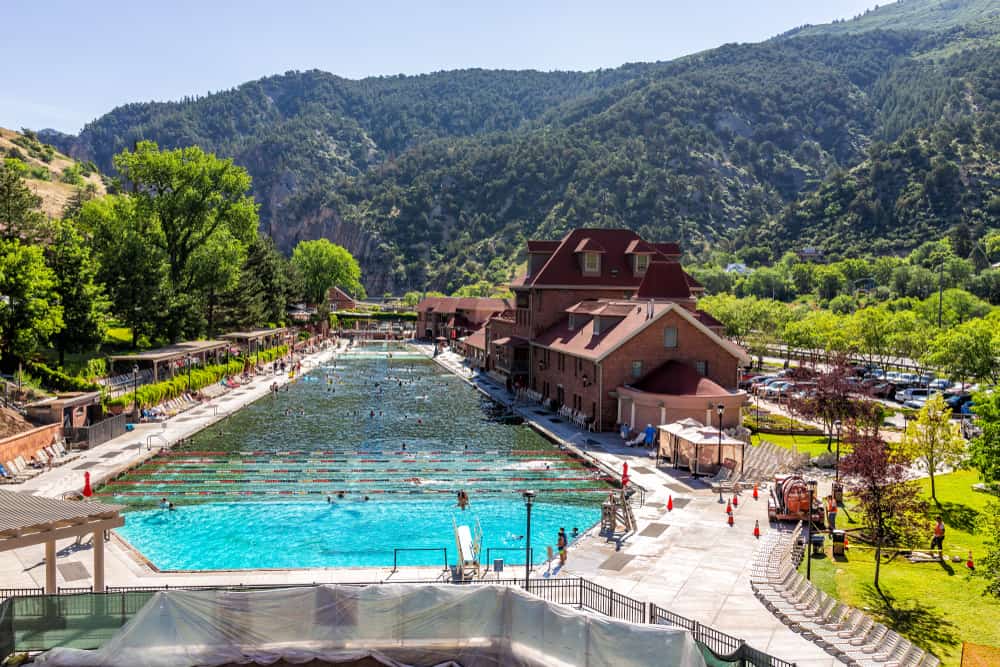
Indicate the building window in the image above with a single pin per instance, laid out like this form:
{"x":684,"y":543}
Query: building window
{"x":702,"y":367}
{"x":637,"y":369}
{"x":591,"y":262}
{"x":641,"y":263}
{"x":572,"y":321}
{"x":670,"y":337}
{"x":562,"y":362}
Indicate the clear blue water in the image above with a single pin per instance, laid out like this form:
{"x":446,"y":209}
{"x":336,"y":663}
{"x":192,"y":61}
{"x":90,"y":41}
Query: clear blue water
{"x":215,"y":536}
{"x":251,"y":490}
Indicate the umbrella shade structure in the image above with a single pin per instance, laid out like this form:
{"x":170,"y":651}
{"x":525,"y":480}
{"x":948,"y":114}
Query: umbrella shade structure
{"x":87,"y":491}
{"x":625,"y":478}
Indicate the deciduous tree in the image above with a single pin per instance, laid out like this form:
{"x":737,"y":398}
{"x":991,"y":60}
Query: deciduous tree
{"x":29,"y":304}
{"x":933,"y":439}
{"x":323,"y":265}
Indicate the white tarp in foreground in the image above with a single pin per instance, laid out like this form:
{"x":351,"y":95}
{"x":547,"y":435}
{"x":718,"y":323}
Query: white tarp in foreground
{"x":395,"y":624}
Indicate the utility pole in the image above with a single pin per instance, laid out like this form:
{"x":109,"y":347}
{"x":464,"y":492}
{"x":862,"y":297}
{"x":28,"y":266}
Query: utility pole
{"x":940,"y":290}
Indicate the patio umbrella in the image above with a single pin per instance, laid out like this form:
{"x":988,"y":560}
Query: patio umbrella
{"x":87,"y":491}
{"x":624,"y":475}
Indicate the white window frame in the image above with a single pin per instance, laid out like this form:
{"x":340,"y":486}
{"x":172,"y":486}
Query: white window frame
{"x":641,"y":263}
{"x":587,"y":258}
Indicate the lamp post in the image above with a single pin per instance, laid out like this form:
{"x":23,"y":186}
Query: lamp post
{"x":812,"y":497}
{"x":836,"y":426}
{"x":189,"y":360}
{"x":135,"y":390}
{"x":529,"y":500}
{"x":720,"y":409}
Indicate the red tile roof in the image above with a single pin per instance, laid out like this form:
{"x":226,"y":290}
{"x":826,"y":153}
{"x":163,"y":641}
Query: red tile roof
{"x":477,"y":339}
{"x":676,"y":378}
{"x":664,"y":280}
{"x":640,"y":247}
{"x":543,"y":246}
{"x":708,"y":320}
{"x":449,"y":305}
{"x":668,"y":249}
{"x":563,"y":266}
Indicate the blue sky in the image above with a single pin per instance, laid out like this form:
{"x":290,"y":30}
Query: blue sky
{"x":65,"y":63}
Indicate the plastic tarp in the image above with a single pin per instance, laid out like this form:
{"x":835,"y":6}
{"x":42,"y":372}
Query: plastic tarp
{"x":394,"y":624}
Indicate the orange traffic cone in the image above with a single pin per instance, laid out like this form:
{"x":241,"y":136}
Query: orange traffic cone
{"x":729,"y":507}
{"x":755,"y":490}
{"x":670,"y":503}
{"x":730,"y":519}
{"x":736,"y":501}
{"x":846,"y":545}
{"x":970,"y":563}
{"x":756,"y":529}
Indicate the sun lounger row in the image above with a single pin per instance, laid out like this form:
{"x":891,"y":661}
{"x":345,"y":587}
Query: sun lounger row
{"x":766,"y":460}
{"x":843,"y":631}
{"x":577,"y":417}
{"x":19,"y":470}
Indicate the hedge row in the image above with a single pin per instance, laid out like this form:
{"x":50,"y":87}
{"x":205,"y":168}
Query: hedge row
{"x":59,"y":381}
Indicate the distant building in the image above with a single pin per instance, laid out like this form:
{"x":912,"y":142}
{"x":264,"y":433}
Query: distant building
{"x":739,"y":269}
{"x":338,"y":299}
{"x":453,"y":317}
{"x":600,"y":311}
{"x":810,"y":254}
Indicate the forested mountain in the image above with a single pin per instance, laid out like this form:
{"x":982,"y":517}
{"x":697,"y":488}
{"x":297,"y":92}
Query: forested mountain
{"x":866,"y":135}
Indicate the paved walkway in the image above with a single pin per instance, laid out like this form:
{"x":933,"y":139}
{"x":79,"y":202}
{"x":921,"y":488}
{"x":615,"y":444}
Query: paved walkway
{"x":688,"y":561}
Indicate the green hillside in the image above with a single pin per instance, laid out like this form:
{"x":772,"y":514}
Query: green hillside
{"x":434,"y":181}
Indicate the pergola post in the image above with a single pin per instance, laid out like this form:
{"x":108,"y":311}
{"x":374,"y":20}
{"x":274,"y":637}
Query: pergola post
{"x":619,"y":399}
{"x":50,"y":566}
{"x":98,"y":542}
{"x":632,"y":422}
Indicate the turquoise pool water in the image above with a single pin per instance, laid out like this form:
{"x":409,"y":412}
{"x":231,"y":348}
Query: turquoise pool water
{"x":381,"y":423}
{"x":216,"y":536}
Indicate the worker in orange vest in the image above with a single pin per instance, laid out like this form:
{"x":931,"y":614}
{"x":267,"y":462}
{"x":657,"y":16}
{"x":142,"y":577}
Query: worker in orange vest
{"x":831,"y":513}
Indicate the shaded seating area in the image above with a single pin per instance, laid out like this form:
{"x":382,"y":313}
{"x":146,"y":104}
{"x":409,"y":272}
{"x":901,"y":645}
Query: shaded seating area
{"x":27,"y":520}
{"x":164,"y":363}
{"x":256,"y":340}
{"x":702,"y":449}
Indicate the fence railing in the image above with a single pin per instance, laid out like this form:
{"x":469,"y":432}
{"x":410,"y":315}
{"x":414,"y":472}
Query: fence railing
{"x":395,"y":555}
{"x":98,"y":433}
{"x":32,"y":621}
{"x":491,"y":550}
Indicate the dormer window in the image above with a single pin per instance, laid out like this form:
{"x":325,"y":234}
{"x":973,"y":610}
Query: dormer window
{"x":641,"y":264}
{"x":591,"y":262}
{"x":572,"y":321}
{"x":597,"y":325}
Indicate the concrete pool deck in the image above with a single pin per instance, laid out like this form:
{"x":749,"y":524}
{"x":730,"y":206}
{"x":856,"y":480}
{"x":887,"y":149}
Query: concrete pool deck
{"x":688,"y":561}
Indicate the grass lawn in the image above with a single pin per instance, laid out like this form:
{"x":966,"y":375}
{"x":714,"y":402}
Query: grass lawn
{"x":937,"y":605}
{"x":118,"y":335}
{"x":814,"y":445}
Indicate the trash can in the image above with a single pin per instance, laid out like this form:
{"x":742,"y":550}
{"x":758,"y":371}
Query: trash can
{"x":817,"y":540}
{"x":838,"y":542}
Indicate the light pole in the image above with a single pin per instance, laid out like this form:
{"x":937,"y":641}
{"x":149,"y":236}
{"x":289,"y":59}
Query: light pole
{"x":720,"y":409}
{"x":529,"y":500}
{"x":189,"y":360}
{"x":836,"y":426}
{"x":135,"y":391}
{"x":812,"y":496}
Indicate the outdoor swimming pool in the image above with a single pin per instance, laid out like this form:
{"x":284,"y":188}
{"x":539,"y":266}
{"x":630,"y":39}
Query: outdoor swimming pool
{"x":251,"y":491}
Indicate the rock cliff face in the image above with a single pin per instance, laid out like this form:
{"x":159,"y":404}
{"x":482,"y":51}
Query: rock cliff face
{"x":376,"y":264}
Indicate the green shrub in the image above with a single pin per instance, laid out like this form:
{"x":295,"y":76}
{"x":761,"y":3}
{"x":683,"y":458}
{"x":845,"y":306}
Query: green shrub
{"x":59,"y":381}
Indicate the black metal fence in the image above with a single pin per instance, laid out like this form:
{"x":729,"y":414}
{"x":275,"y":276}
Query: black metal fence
{"x":722,"y":646}
{"x":98,"y":433}
{"x":32,"y":621}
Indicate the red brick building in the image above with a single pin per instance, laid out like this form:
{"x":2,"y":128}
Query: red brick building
{"x":338,"y":299}
{"x":600,"y":310}
{"x":455,"y":317}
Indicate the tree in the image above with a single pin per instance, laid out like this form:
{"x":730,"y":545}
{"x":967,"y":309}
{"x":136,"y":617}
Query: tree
{"x":411,"y":299}
{"x":989,"y":564}
{"x":29,"y":304}
{"x":872,"y":328}
{"x":133,"y":266}
{"x":888,"y":501}
{"x":83,"y":302}
{"x":933,"y":439}
{"x":829,"y":400}
{"x":984,"y":449}
{"x":20,"y":217}
{"x":323,"y":265}
{"x":968,"y":351}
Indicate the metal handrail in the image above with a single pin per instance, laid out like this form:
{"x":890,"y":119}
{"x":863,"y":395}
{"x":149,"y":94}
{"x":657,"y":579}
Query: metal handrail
{"x":395,"y":555}
{"x":531,"y":553}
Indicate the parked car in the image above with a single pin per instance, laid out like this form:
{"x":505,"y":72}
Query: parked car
{"x":958,"y":401}
{"x":749,"y":379}
{"x":773,"y":390}
{"x":762,"y":386}
{"x":884,"y":390}
{"x":940,"y":384}
{"x":912,"y":393}
{"x":910,"y":379}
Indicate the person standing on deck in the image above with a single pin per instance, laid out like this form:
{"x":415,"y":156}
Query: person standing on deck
{"x":561,"y":544}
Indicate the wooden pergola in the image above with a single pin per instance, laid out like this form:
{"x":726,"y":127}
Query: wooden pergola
{"x":26,"y":520}
{"x":257,"y":339}
{"x":196,"y":349}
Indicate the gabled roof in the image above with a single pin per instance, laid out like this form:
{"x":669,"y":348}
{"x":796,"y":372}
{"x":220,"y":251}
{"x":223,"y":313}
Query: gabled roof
{"x":338,"y":294}
{"x":664,"y":280}
{"x":640,"y":247}
{"x":601,"y":307}
{"x":477,"y":338}
{"x":562,"y":268}
{"x":543,"y":246}
{"x":707,"y":319}
{"x":676,"y":378}
{"x":449,"y":305}
{"x":581,"y":341}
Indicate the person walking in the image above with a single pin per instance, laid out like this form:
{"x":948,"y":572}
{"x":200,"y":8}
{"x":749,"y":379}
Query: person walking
{"x":831,"y":512}
{"x":561,"y":544}
{"x":938,"y":540}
